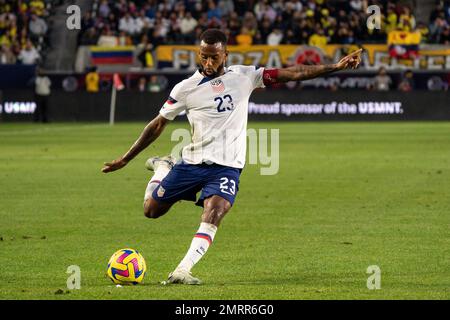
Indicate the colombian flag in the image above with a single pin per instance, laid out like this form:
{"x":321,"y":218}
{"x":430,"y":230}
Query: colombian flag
{"x":403,"y":44}
{"x":112,"y":55}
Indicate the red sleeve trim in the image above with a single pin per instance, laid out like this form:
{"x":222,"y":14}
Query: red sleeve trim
{"x":270,"y":76}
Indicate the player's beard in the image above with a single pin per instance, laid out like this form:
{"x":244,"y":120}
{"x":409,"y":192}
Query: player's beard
{"x":216,"y":74}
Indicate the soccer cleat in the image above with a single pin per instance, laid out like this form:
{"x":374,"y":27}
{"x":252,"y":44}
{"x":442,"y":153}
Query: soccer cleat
{"x":182,"y":277}
{"x":153,"y":163}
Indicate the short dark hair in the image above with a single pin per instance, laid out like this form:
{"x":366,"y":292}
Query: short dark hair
{"x":213,"y":36}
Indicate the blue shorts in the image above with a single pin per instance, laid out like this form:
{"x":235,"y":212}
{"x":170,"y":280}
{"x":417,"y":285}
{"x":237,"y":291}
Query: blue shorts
{"x":185,"y":180}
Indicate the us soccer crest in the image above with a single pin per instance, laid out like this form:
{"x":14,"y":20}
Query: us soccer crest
{"x":161,"y":191}
{"x":217,"y":85}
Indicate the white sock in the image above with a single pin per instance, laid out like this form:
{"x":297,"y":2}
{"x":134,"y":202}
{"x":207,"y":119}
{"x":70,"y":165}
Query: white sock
{"x":160,"y":173}
{"x":199,"y":245}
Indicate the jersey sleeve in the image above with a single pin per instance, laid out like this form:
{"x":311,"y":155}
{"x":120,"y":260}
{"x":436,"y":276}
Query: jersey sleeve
{"x":255,"y":74}
{"x":175,"y":103}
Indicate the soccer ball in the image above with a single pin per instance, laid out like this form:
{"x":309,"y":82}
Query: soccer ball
{"x":126,"y":266}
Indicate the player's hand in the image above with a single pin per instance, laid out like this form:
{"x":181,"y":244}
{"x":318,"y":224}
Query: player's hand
{"x":351,"y":61}
{"x":114,"y":165}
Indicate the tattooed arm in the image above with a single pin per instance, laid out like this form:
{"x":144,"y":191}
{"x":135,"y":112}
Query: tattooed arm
{"x":305,"y":72}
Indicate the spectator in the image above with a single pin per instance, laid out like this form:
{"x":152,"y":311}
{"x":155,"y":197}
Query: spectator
{"x":124,"y":39}
{"x":162,"y":25}
{"x":146,"y":57}
{"x":275,"y":37}
{"x":265,"y":29}
{"x":226,"y":7}
{"x":42,"y":93}
{"x":258,"y":39}
{"x":174,"y":29}
{"x":87,"y":21}
{"x":107,"y":39}
{"x":264,"y":10}
{"x":356,"y":5}
{"x":165,"y":5}
{"x":424,"y":32}
{"x":404,"y":86}
{"x":343,"y":34}
{"x":435,"y":83}
{"x":29,"y":55}
{"x":250,"y":23}
{"x":37,"y":7}
{"x":6,"y":55}
{"x":213,"y":11}
{"x":290,"y":38}
{"x":143,"y":23}
{"x":142,"y":84}
{"x":128,"y":24}
{"x":437,"y":27}
{"x":89,"y":38}
{"x":445,"y":36}
{"x":437,"y":11}
{"x":111,"y":22}
{"x":304,"y":36}
{"x":144,"y":41}
{"x":407,"y":22}
{"x":121,"y":7}
{"x":104,"y":10}
{"x":92,"y":80}
{"x":154,"y":85}
{"x":37,"y":26}
{"x":244,"y":38}
{"x":318,"y":39}
{"x":382,"y":81}
{"x":349,"y":38}
{"x":407,"y":83}
{"x":187,"y":26}
{"x":391,"y":20}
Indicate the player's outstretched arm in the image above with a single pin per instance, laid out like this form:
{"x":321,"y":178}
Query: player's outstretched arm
{"x":150,"y":133}
{"x":305,"y":72}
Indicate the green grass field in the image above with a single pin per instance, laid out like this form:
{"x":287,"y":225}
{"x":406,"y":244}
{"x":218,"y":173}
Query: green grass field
{"x":347,"y":196}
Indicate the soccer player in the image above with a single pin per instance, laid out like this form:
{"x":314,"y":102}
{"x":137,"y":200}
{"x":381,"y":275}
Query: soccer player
{"x":215,"y":99}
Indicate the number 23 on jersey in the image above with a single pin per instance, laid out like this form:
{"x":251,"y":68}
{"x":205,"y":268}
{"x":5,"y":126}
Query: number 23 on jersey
{"x":224,"y":103}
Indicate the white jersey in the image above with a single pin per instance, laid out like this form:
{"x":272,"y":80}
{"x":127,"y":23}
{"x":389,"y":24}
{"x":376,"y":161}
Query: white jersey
{"x":217,"y":110}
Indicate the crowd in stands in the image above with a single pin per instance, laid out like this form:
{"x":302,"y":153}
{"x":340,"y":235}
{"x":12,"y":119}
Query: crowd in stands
{"x":23,"y":30}
{"x":439,"y":27}
{"x":149,"y":23}
{"x":247,"y":22}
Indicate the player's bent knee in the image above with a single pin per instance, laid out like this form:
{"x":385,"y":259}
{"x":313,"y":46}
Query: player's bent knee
{"x":151,"y":213}
{"x":154,"y":210}
{"x":151,"y":209}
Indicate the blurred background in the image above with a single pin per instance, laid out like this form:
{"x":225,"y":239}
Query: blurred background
{"x":50,"y":71}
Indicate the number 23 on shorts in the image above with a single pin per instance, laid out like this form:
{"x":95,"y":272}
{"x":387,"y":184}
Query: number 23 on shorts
{"x":227,"y":186}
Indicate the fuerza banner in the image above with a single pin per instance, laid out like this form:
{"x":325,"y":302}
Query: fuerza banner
{"x":430,"y":57}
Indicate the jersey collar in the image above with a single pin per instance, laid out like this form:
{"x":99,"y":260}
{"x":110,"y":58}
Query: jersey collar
{"x":206,"y":79}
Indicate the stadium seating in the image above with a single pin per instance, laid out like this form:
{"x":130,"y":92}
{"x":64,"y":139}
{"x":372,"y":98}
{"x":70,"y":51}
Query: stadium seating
{"x":24,"y":28}
{"x":143,"y":23}
{"x":314,"y":22}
